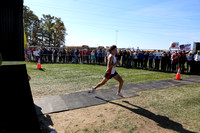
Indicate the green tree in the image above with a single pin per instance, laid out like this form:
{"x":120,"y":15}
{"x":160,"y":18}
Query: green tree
{"x":29,"y":20}
{"x":59,"y":32}
{"x":49,"y":30}
{"x":48,"y":23}
{"x":36,"y":32}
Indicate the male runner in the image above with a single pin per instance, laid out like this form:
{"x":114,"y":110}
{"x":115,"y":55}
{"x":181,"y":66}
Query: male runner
{"x":111,"y":72}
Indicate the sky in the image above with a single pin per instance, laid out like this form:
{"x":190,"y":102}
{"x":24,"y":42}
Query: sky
{"x":147,"y":24}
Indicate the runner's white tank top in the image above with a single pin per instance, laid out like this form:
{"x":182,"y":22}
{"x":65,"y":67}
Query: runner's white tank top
{"x":114,"y":61}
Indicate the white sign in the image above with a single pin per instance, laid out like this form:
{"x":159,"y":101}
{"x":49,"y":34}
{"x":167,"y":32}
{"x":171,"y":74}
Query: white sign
{"x":174,"y":45}
{"x":36,"y":53}
{"x":185,"y":47}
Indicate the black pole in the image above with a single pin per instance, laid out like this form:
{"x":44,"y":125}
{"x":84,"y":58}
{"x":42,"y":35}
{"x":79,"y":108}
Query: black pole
{"x":17,"y":108}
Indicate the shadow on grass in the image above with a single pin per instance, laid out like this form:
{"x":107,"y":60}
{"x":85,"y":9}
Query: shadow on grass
{"x":161,"y":121}
{"x":41,"y":69}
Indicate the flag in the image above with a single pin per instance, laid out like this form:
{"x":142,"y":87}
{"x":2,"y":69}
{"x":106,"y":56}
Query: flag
{"x":174,"y":45}
{"x":25,"y":40}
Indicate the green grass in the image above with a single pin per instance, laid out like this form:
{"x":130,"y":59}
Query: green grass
{"x":59,"y":79}
{"x":179,"y":104}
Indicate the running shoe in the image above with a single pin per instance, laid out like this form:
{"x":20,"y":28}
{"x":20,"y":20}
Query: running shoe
{"x":120,"y":94}
{"x":93,"y":90}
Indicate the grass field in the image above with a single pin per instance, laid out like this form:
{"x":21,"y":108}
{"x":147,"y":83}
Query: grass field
{"x":59,"y":79}
{"x":175,"y":109}
{"x":171,"y":110}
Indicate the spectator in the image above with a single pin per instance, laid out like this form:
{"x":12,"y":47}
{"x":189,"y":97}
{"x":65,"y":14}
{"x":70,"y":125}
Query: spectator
{"x":67,"y":55}
{"x":99,"y":56}
{"x":182,"y":60}
{"x":96,"y":55}
{"x":189,"y":61}
{"x":175,"y":57}
{"x":84,"y":55}
{"x":55,"y":55}
{"x":93,"y":56}
{"x":124,"y":58}
{"x":140,"y":59}
{"x":81,"y":55}
{"x":118,"y":55}
{"x":168,"y":61}
{"x":145,"y":60}
{"x":63,"y":55}
{"x":151,"y":57}
{"x":197,"y":56}
{"x":76,"y":54}
{"x":50,"y":52}
{"x":163,"y":61}
{"x":45,"y":55}
{"x":37,"y":54}
{"x":129,"y":59}
{"x":29,"y":54}
{"x":158,"y":55}
{"x":59,"y":55}
{"x":72,"y":59}
{"x":87,"y":53}
{"x":42,"y":55}
{"x":196,"y":63}
{"x":33,"y":49}
{"x":135,"y":59}
{"x":103,"y":56}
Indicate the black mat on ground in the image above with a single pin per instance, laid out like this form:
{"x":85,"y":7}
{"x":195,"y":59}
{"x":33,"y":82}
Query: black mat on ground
{"x":83,"y":99}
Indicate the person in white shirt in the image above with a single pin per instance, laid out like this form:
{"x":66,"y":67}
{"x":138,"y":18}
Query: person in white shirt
{"x":197,"y":56}
{"x":93,"y":56}
{"x":158,"y":55}
{"x":196,"y":63}
{"x":189,"y":61}
{"x":135,"y":59}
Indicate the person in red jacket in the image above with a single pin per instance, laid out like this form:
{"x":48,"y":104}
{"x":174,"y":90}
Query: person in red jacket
{"x":87,"y":54}
{"x":175,"y":58}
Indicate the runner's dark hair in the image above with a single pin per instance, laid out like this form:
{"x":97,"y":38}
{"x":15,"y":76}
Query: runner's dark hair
{"x":112,"y":48}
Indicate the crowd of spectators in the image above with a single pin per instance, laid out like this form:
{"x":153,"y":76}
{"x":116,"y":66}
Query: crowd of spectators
{"x":153,"y":60}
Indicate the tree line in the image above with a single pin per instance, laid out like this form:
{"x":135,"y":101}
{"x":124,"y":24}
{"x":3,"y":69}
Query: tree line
{"x":46,"y":31}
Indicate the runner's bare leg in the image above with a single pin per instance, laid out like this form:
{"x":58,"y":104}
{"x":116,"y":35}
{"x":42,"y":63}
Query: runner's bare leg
{"x":120,"y":80}
{"x":101,"y":83}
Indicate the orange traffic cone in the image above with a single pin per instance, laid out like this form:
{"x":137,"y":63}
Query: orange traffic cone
{"x":178,"y":75}
{"x":39,"y":65}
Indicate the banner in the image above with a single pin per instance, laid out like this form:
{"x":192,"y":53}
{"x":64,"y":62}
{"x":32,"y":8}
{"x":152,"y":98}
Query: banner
{"x":185,"y":47}
{"x":174,"y":45}
{"x":25,"y":40}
